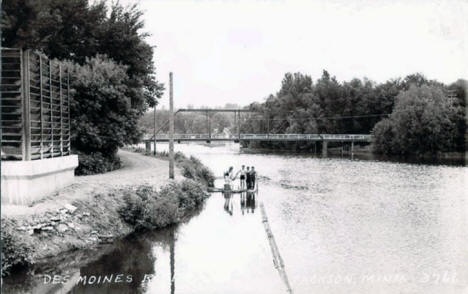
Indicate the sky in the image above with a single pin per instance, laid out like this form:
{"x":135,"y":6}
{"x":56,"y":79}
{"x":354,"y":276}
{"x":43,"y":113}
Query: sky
{"x":238,"y":51}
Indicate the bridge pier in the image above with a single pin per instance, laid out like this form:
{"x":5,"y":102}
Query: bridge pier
{"x":324,"y":148}
{"x":148,"y":146}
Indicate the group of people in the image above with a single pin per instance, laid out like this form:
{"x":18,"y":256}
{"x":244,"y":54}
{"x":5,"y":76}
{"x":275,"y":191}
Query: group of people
{"x":247,"y":177}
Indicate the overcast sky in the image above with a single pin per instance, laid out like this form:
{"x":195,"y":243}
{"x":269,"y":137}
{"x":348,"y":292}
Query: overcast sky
{"x":238,"y":51}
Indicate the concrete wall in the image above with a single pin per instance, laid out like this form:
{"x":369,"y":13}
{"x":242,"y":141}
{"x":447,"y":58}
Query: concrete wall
{"x":26,"y":181}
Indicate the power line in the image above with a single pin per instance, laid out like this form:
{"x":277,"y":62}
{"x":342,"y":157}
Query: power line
{"x":318,"y":118}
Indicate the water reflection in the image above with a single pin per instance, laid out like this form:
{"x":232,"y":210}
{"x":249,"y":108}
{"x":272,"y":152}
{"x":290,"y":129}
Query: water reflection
{"x":134,"y":260}
{"x":332,"y":218}
{"x":126,"y":268}
{"x":228,"y":205}
{"x":249,"y":201}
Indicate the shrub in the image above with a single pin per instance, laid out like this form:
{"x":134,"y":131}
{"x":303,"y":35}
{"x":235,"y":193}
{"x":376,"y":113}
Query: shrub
{"x":147,"y":209}
{"x":96,"y":162}
{"x":192,"y":190}
{"x":188,"y":170}
{"x":193,"y":168}
{"x":15,"y":252}
{"x":384,"y":135}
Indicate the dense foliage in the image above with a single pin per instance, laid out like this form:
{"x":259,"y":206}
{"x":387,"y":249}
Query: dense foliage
{"x":113,"y":71}
{"x":15,"y":252}
{"x":423,"y":121}
{"x":148,"y":209}
{"x":96,"y":163}
{"x":354,"y":107}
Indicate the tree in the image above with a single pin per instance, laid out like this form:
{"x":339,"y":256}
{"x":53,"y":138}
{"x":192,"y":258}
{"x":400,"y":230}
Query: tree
{"x":84,"y":33}
{"x":103,"y":116}
{"x":423,"y":121}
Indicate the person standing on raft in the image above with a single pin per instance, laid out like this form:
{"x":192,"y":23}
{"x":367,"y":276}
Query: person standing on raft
{"x":253,"y":175}
{"x":228,"y":178}
{"x":242,"y":177}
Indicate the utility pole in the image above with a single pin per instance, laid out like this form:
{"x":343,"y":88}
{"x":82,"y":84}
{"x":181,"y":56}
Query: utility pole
{"x":171,"y":128}
{"x":238,"y":124}
{"x":154,"y":131}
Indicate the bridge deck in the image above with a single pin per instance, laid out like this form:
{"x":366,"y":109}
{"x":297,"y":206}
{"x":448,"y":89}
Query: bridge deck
{"x":268,"y":137}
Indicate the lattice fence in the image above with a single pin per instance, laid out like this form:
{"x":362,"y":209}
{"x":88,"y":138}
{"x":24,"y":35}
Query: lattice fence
{"x":35,"y":101}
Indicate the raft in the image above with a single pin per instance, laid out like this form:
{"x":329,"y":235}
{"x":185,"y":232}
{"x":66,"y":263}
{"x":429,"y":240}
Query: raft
{"x":229,"y":190}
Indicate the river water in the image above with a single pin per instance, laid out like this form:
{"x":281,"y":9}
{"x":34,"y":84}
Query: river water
{"x":340,"y":226}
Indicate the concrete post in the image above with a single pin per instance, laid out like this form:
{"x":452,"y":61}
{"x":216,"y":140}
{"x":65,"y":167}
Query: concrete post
{"x":154,"y":131}
{"x":171,"y":128}
{"x":324,"y":148}
{"x":148,"y":147}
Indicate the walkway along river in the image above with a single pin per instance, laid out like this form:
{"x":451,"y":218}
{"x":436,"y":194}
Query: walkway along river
{"x":340,"y":226}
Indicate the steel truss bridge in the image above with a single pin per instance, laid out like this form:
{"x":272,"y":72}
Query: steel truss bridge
{"x":265,"y":137}
{"x":209,"y":137}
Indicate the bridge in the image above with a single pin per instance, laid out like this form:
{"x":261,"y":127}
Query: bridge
{"x":239,"y":137}
{"x":323,"y":138}
{"x":265,"y":137}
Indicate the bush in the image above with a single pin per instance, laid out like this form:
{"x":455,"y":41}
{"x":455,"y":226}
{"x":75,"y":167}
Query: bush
{"x":15,"y":252}
{"x":96,"y":163}
{"x":193,"y":168}
{"x":384,"y":135}
{"x":147,"y":209}
{"x":423,"y":121}
{"x":193,"y":194}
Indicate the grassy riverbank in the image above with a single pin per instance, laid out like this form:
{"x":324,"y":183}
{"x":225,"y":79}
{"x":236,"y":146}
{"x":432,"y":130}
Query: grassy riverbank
{"x":101,"y":208}
{"x":191,"y":167}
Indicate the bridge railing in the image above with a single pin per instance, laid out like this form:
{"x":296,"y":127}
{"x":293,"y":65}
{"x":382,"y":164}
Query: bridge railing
{"x":329,"y":137}
{"x":192,"y":136}
{"x":284,"y":137}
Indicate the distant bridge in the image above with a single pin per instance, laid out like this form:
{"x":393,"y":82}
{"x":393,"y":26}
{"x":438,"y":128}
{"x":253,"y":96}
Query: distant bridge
{"x":209,"y":136}
{"x":265,"y":137}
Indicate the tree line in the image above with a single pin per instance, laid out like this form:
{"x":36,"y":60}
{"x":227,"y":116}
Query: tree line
{"x":411,"y":115}
{"x":112,"y":72}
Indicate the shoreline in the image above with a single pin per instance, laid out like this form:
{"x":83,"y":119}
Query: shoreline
{"x":367,"y":153}
{"x":89,"y":213}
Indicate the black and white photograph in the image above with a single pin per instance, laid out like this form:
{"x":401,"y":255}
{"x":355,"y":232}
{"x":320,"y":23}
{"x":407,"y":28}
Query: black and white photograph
{"x":234,"y":146}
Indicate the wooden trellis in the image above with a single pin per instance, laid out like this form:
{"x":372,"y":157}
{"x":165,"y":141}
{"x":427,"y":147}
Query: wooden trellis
{"x":35,"y":100}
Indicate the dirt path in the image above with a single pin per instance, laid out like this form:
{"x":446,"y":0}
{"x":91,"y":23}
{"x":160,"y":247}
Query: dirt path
{"x":136,"y":169}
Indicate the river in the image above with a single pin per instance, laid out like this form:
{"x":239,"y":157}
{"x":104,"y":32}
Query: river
{"x":340,"y":226}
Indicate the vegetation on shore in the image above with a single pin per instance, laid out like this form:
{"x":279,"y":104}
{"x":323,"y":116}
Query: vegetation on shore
{"x":16,"y":253}
{"x":423,"y":121}
{"x":147,"y":209}
{"x":407,"y":116}
{"x":192,"y":167}
{"x":103,"y":217}
{"x":111,"y":66}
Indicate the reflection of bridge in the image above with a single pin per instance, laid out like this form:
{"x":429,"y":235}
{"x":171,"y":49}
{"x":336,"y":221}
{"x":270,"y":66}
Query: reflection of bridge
{"x":266,"y":137}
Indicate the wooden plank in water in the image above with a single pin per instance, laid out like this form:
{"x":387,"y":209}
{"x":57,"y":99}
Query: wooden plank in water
{"x":277,"y":260}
